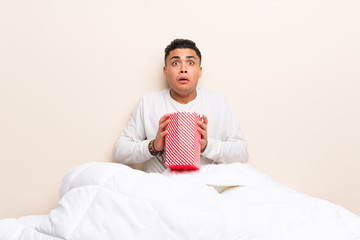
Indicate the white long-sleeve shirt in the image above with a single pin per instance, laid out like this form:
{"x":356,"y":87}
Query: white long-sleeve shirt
{"x":225,"y":141}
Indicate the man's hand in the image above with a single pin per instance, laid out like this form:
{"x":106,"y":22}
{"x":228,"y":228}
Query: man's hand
{"x":203,"y":131}
{"x":159,"y":142}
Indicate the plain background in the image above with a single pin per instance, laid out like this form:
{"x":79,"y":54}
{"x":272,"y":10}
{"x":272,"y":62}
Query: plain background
{"x":72,"y":71}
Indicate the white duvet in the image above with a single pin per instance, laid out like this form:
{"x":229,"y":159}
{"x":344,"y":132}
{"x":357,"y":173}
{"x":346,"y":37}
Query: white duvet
{"x":112,"y":201}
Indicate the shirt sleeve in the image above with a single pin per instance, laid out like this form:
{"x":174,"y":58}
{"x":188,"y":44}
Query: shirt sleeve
{"x":232,"y":147}
{"x":132,"y":145}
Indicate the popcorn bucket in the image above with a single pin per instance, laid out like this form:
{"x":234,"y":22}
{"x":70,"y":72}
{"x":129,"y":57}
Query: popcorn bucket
{"x":183,"y":141}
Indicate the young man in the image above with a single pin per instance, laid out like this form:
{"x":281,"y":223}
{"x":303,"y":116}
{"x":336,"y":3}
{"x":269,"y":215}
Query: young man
{"x":143,"y":140}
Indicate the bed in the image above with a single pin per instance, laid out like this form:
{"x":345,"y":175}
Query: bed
{"x":230,"y":201}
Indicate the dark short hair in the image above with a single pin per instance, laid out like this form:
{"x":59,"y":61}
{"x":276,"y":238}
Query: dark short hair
{"x":182,"y":43}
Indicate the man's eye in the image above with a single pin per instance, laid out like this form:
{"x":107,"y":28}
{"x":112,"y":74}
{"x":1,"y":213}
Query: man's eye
{"x":175,"y":63}
{"x":191,"y":62}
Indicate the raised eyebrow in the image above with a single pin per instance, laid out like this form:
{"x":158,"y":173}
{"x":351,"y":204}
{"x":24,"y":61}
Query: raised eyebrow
{"x":176,"y":57}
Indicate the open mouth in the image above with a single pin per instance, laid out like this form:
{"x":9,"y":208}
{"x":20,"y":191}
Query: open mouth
{"x":183,"y":80}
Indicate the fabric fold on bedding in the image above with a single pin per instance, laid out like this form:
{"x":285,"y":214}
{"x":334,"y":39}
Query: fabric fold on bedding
{"x":113,"y":201}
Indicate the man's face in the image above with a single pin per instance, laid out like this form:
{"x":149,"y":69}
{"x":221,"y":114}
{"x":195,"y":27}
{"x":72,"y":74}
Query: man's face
{"x":182,"y":71}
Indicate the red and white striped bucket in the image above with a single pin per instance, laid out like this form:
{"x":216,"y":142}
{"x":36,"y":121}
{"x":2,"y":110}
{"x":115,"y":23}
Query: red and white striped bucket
{"x":183,"y":141}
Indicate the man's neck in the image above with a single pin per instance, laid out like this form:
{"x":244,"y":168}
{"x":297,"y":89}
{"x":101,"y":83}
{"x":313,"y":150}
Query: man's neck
{"x":183,"y":99}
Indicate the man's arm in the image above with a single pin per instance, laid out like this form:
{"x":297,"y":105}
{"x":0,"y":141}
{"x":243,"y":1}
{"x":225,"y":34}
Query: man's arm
{"x":232,"y":148}
{"x":159,"y":141}
{"x":132,"y":146}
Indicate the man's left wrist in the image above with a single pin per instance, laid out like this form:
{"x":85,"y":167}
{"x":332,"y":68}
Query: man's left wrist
{"x":204,"y":147}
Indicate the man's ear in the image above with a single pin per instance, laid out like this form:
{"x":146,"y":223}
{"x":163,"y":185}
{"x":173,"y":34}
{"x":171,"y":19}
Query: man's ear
{"x":164,"y":72}
{"x":200,"y":72}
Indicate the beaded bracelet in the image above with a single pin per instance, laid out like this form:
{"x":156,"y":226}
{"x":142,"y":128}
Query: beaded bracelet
{"x":152,"y":149}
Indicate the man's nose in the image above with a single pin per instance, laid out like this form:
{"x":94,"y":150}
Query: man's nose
{"x":183,"y":68}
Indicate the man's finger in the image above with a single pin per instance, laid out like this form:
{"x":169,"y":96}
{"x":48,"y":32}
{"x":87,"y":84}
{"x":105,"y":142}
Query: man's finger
{"x":202,"y":132}
{"x":202,"y":125}
{"x":164,"y":118}
{"x":162,"y":134}
{"x":164,"y":124}
{"x":205,"y":119}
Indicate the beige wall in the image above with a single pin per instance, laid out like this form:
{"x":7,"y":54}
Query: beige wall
{"x":71,"y":71}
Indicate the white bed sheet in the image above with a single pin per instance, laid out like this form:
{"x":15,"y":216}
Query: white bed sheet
{"x":113,"y":201}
